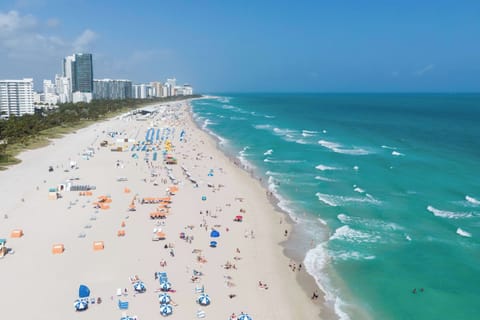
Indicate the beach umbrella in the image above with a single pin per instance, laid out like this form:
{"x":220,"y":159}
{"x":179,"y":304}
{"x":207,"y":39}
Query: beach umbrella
{"x":139,"y":286}
{"x":80,"y":304}
{"x":126,"y":318}
{"x":83,"y":291}
{"x":203,"y":299}
{"x":164,"y":298}
{"x":165,"y":286}
{"x":238,"y":218}
{"x":166,"y":310}
{"x":213,"y":244}
{"x":214,"y":234}
{"x":244,"y":316}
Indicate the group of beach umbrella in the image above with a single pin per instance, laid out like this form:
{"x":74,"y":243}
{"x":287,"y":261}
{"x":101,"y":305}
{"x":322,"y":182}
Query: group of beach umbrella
{"x":164,"y":298}
{"x":81,"y":304}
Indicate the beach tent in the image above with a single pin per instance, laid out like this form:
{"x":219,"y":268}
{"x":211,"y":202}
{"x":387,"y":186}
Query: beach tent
{"x":203,"y":299}
{"x":244,"y":316}
{"x":17,"y":233}
{"x":58,"y":248}
{"x":166,"y":310}
{"x":214,"y":234}
{"x":164,"y":298}
{"x":204,"y":198}
{"x":98,"y":245}
{"x":238,"y":218}
{"x":83,"y":291}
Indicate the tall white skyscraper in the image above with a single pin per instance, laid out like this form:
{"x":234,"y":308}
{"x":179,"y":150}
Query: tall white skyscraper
{"x":78,"y":69}
{"x":16,"y":97}
{"x":62,"y":85}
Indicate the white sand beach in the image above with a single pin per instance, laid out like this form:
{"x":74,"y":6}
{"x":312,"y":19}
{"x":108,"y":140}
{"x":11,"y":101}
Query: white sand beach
{"x":39,"y":284}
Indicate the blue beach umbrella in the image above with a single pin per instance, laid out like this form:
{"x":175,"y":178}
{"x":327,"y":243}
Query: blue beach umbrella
{"x":214,"y":234}
{"x":244,"y":317}
{"x":166,"y":310}
{"x":164,"y":298}
{"x":139,"y":286}
{"x":165,"y":286}
{"x":126,"y":318}
{"x":203,"y":299}
{"x":80,"y":304}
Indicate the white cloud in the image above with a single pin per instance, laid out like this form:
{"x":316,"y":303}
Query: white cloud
{"x":424,"y":70}
{"x":83,"y":41}
{"x":12,"y":22}
{"x":53,"y":22}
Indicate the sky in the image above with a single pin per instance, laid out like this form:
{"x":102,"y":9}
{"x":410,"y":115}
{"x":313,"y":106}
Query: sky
{"x":251,"y":46}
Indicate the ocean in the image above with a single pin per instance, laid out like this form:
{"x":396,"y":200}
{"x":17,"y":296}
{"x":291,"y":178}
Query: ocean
{"x":384,"y":189}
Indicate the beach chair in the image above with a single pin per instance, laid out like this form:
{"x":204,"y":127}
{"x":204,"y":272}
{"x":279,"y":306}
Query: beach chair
{"x":201,"y":314}
{"x":123,"y":305}
{"x":199,"y":289}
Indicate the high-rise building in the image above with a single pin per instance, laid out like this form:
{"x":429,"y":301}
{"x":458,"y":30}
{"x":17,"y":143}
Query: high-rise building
{"x":16,"y":97}
{"x":62,"y":85}
{"x":78,"y":69}
{"x":112,"y":89}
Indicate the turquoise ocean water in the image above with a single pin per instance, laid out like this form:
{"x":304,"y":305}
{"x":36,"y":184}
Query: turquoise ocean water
{"x":385,"y":189}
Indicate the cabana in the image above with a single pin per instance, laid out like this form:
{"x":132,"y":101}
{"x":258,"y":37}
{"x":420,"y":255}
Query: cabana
{"x":98,"y":245}
{"x":17,"y":233}
{"x":58,"y":248}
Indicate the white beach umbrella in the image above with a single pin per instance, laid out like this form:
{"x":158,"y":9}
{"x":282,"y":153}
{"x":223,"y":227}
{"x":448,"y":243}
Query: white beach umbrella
{"x":203,"y":299}
{"x":80,"y":304}
{"x":164,"y":298}
{"x":166,"y":310}
{"x":244,"y":316}
{"x":165,"y":286}
{"x":139,"y":286}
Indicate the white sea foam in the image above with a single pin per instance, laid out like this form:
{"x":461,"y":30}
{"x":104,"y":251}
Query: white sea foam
{"x":334,"y":200}
{"x":345,"y":233}
{"x":309,"y":133}
{"x":315,"y":262}
{"x":388,"y":147}
{"x":323,"y":179}
{"x":238,"y":118}
{"x":262,"y":126}
{"x":301,"y":141}
{"x":359,"y":190}
{"x":397,"y":154}
{"x":268,"y":152}
{"x":370,"y":224}
{"x":322,"y":167}
{"x":408,"y":237}
{"x":352,"y":255}
{"x":472,"y":200}
{"x":449,"y":214}
{"x":463,"y":233}
{"x":223,"y":99}
{"x":338,"y":148}
{"x":269,"y":116}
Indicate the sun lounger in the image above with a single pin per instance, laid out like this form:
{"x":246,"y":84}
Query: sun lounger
{"x":199,"y":289}
{"x":200,"y":314}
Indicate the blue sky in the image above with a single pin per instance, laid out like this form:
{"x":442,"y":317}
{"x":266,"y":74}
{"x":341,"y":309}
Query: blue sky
{"x":226,"y":46}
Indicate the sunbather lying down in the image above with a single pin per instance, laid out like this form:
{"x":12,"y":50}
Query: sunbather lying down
{"x":134,"y":278}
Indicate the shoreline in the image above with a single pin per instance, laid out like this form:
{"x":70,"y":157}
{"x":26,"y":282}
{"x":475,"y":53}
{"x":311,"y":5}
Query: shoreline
{"x":290,"y":247}
{"x":46,"y":222}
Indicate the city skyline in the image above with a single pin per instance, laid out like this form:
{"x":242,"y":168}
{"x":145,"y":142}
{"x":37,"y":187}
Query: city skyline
{"x":274,"y":46}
